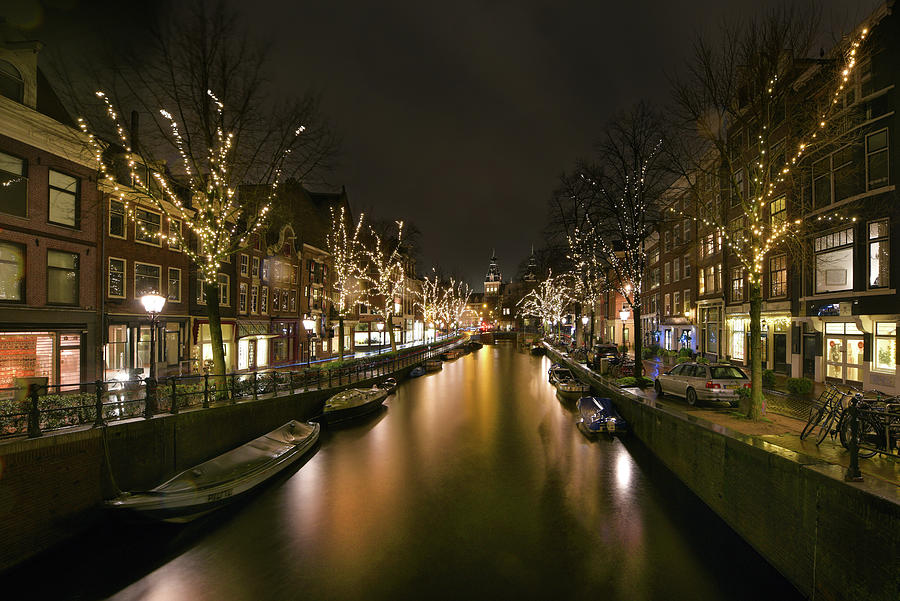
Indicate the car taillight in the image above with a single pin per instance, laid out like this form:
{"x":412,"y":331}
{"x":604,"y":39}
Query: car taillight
{"x":713,"y":385}
{"x":747,"y":385}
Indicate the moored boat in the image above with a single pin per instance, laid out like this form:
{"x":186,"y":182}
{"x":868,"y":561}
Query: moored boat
{"x":474,"y":345}
{"x":567,"y":385}
{"x":537,"y":349}
{"x":597,"y":415}
{"x":353,"y":402}
{"x":219,"y":481}
{"x":388,"y":384}
{"x":433,"y":364}
{"x":417,"y":371}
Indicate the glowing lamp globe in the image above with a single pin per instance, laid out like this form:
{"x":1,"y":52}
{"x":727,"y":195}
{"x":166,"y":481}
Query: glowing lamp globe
{"x":380,"y":325}
{"x":153,"y":303}
{"x":309,"y":324}
{"x":623,"y":314}
{"x":585,"y":319}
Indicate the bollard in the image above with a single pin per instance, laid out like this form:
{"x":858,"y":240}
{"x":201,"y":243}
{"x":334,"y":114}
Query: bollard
{"x":34,"y":414}
{"x":98,"y":404}
{"x":853,"y":474}
{"x":150,"y":407}
{"x":173,"y":390}
{"x":206,"y":391}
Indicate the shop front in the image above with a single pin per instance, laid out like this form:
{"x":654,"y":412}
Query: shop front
{"x":253,"y":344}
{"x":55,"y":355}
{"x":202,"y":351}
{"x":775,"y":340}
{"x":711,"y":325}
{"x":126,"y":350}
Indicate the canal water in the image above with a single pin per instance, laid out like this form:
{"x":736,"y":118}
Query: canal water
{"x":473,"y":483}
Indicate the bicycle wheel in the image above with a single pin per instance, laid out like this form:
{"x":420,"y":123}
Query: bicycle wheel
{"x":869,"y":435}
{"x":825,"y":428}
{"x":815,"y":416}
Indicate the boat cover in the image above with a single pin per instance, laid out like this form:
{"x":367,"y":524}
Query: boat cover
{"x":240,"y":462}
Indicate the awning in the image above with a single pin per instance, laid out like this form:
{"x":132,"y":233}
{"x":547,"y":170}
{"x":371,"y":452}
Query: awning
{"x":253,"y":329}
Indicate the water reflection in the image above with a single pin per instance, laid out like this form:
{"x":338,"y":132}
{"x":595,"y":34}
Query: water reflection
{"x":473,"y":484}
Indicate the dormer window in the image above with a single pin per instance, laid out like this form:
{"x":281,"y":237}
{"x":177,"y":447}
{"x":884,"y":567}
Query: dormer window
{"x":11,"y":83}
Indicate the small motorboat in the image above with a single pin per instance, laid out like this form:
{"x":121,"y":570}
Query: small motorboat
{"x":417,"y":371}
{"x":567,"y":385}
{"x":537,"y":349}
{"x":474,"y":345}
{"x":219,"y":481}
{"x":434,"y":364}
{"x":389,"y":384}
{"x":597,"y":415}
{"x":352,"y":403}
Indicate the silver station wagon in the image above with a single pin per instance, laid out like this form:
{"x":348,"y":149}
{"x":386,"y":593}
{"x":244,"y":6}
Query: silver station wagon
{"x":700,"y":382}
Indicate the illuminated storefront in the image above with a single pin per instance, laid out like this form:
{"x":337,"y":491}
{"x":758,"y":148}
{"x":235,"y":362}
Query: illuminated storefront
{"x":53,"y":355}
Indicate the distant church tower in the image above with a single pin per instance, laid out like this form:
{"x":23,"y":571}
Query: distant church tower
{"x":531,"y":271}
{"x":493,"y":278}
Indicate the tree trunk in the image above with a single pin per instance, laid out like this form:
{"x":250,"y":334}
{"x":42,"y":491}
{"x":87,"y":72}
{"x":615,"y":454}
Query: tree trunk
{"x":340,"y":338}
{"x":390,"y":327}
{"x":638,"y":343}
{"x":211,"y":292}
{"x":591,"y":343}
{"x":755,"y":404}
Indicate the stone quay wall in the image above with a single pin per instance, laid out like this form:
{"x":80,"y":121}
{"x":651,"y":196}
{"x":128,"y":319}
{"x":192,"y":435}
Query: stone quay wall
{"x":832,"y":539}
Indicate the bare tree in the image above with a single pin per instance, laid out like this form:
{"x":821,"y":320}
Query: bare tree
{"x":619,"y":198}
{"x":217,"y":123}
{"x":747,"y":119}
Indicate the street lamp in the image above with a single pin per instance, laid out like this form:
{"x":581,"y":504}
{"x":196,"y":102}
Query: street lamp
{"x":153,"y":304}
{"x":623,"y":314}
{"x":308,"y":324}
{"x":380,"y":327}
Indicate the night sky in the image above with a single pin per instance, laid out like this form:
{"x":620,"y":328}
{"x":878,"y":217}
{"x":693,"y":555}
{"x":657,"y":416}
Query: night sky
{"x":460,"y":116}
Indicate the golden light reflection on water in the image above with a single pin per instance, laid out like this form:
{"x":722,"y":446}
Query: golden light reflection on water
{"x":473,"y":483}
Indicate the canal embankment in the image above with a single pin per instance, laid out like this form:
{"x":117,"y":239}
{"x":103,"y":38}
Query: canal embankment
{"x":52,"y":487}
{"x":831,"y":538}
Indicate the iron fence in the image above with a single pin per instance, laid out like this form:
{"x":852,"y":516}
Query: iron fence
{"x":30,"y":412}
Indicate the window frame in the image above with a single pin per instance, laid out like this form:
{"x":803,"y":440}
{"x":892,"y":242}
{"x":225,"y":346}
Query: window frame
{"x":849,"y":244}
{"x":243,"y":295}
{"x":869,"y":154}
{"x":264,"y":301}
{"x":124,"y":273}
{"x":23,"y":288}
{"x":169,"y":284}
{"x":772,"y":272}
{"x":224,"y":296}
{"x":885,"y":239}
{"x":77,"y":277}
{"x":134,"y":278}
{"x":76,"y":199}
{"x":244,"y":265}
{"x":109,"y":217}
{"x":174,"y":224}
{"x":24,"y":176}
{"x":158,"y":243}
{"x":876,"y":338}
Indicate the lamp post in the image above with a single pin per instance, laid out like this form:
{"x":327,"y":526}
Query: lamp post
{"x":153,"y":304}
{"x":380,"y":327}
{"x":308,"y":324}
{"x":584,"y":321}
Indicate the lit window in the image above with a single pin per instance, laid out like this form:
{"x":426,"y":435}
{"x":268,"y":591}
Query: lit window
{"x":737,"y":284}
{"x":12,"y":272}
{"x":62,"y":278}
{"x":245,"y":265}
{"x":834,"y":261}
{"x":224,"y":290}
{"x":879,"y":254}
{"x":264,"y":300}
{"x":885,"y":346}
{"x":242,"y":297}
{"x":254,"y":299}
{"x":778,"y":276}
{"x":778,"y":212}
{"x":115,"y":284}
{"x":254,"y":271}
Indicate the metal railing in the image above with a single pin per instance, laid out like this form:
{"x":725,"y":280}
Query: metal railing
{"x":58,"y":406}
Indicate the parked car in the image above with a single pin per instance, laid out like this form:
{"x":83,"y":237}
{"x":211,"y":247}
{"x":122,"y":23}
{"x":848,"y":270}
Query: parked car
{"x":610,"y":352}
{"x":700,"y":382}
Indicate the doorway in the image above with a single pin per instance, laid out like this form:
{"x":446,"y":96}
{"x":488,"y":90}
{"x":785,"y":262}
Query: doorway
{"x":810,"y":347}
